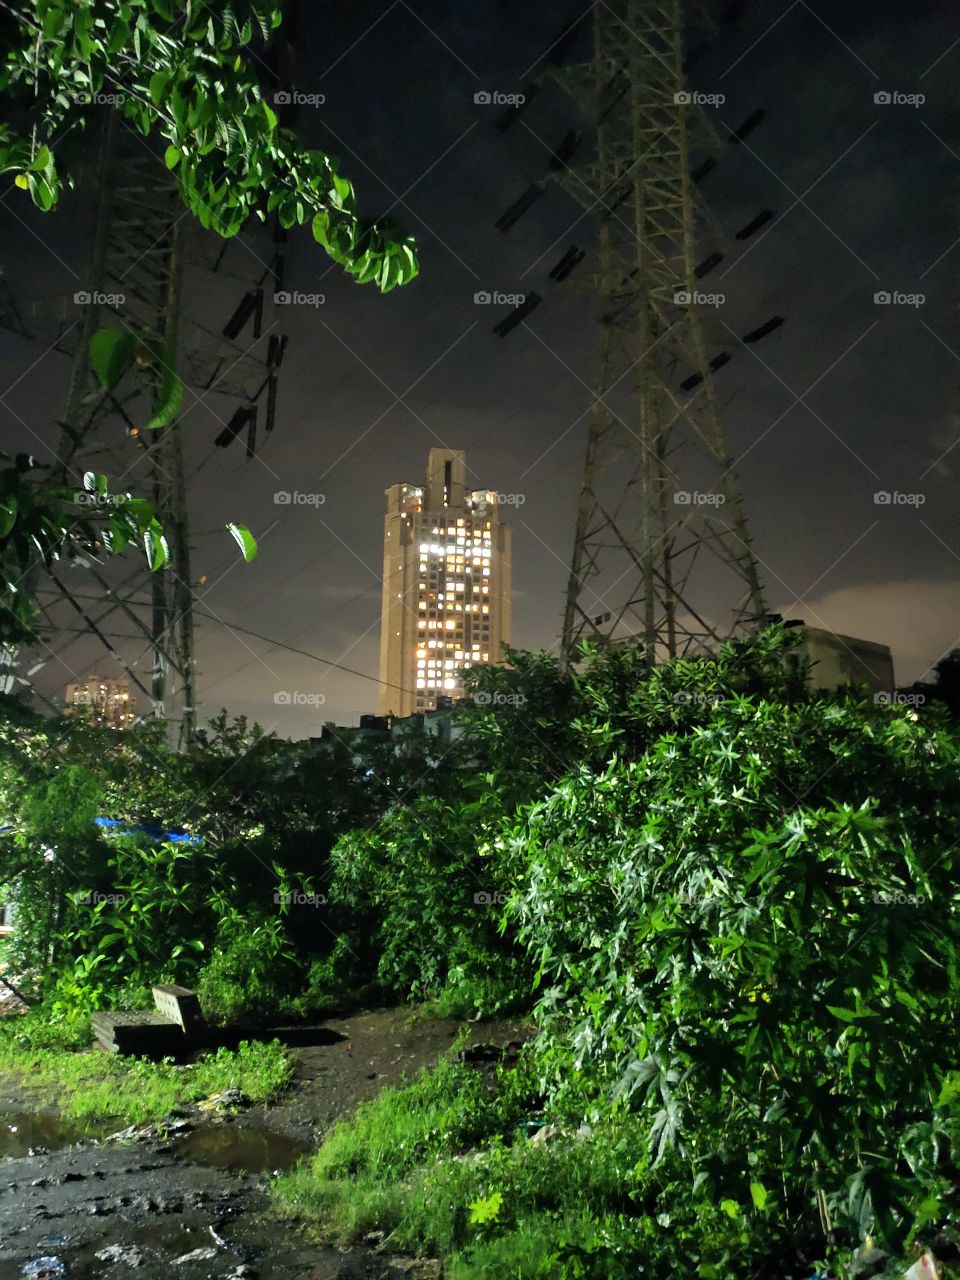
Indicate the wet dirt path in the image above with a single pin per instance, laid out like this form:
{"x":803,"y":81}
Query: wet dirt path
{"x":195,"y":1206}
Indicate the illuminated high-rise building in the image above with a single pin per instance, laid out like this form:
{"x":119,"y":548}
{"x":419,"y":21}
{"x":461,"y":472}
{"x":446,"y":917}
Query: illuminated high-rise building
{"x":446,"y":586}
{"x":102,"y":700}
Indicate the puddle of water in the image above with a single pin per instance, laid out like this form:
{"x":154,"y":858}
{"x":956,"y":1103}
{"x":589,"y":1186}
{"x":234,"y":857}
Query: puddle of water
{"x":241,"y":1149}
{"x":21,"y":1130}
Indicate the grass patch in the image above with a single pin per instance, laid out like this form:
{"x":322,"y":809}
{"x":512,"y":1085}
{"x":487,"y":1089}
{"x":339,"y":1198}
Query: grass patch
{"x":443,"y":1166}
{"x":86,"y":1084}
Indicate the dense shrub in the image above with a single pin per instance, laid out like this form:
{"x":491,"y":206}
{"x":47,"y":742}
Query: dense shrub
{"x":427,"y":889}
{"x":749,"y":937}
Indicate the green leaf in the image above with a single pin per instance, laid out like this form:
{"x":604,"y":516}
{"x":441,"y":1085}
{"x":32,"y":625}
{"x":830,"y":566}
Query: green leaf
{"x":270,"y":114}
{"x":245,"y":540}
{"x":758,"y":1194}
{"x":730,"y":1208}
{"x":158,"y":86}
{"x":42,"y":161}
{"x":8,"y":514}
{"x":171,"y":157}
{"x":155,"y":547}
{"x":487,"y":1208}
{"x":111,"y":355}
{"x":169,"y":397}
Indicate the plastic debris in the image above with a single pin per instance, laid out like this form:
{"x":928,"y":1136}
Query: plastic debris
{"x":129,"y":1256}
{"x":198,"y":1255}
{"x":925,"y":1268}
{"x":44,"y":1269}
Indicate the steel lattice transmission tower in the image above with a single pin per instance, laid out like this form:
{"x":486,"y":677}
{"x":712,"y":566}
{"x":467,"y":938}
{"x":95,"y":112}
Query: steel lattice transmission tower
{"x":137,"y":257}
{"x":646,"y":563}
{"x":143,"y":242}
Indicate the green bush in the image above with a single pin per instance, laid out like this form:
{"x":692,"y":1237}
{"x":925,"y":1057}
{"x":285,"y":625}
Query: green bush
{"x":426,"y":889}
{"x":748,"y":938}
{"x":251,"y":970}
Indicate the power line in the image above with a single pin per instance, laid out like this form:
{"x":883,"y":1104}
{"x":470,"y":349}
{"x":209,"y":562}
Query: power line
{"x":304,"y":653}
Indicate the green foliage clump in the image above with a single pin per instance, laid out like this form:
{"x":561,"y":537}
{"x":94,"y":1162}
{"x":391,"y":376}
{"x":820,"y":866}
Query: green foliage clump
{"x":101,"y":917}
{"x":747,"y":939}
{"x":252,"y":967}
{"x":192,"y":78}
{"x":426,"y":888}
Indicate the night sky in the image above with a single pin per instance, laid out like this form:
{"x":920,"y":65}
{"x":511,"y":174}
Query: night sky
{"x":847,"y":399}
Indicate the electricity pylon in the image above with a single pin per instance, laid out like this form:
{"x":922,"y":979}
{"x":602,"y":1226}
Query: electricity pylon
{"x":659,"y":503}
{"x":143,"y":240}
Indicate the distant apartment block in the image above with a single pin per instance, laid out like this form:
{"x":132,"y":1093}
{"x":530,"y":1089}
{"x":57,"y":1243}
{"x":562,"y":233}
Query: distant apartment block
{"x":838,"y":660}
{"x":446,"y":586}
{"x":103,"y":701}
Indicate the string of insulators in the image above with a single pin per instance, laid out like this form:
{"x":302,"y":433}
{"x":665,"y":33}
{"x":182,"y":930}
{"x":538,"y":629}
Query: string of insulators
{"x":245,"y":309}
{"x":520,"y":207}
{"x":708,"y":264}
{"x":759,"y":221}
{"x":241,"y":417}
{"x":565,"y":149}
{"x":528,"y":92}
{"x":734,"y":138}
{"x":517,"y":315}
{"x":572,"y":258}
{"x":724,"y":357}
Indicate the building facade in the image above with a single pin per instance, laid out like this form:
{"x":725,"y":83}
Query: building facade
{"x":446,"y":586}
{"x":838,"y":660}
{"x":103,"y":700}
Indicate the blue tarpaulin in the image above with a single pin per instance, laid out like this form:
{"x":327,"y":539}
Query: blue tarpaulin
{"x":151,"y":829}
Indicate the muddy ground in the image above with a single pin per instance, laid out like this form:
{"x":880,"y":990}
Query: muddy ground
{"x":145,"y":1206}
